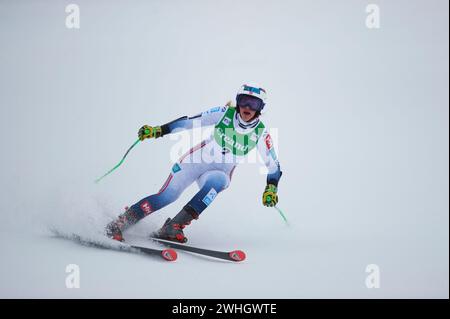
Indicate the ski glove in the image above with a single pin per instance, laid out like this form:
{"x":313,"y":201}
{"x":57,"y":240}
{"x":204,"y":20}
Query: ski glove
{"x":270,"y":197}
{"x":149,"y":132}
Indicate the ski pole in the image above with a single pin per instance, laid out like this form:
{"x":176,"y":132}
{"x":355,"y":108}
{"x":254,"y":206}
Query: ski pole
{"x":282,"y":215}
{"x":120,"y":163}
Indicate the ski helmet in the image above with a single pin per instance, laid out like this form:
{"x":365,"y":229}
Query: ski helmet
{"x":251,"y":96}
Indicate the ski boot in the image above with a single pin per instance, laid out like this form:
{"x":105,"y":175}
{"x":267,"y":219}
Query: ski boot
{"x":115,"y":228}
{"x":173,"y":228}
{"x":113,"y":231}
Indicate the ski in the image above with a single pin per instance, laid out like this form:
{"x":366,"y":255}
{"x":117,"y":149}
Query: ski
{"x":166,"y":254}
{"x":235,"y":255}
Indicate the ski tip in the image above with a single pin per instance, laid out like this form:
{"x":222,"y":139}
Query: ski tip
{"x":169,"y":254}
{"x":237,"y":255}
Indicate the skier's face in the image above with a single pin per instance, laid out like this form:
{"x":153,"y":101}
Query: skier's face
{"x":246,"y":113}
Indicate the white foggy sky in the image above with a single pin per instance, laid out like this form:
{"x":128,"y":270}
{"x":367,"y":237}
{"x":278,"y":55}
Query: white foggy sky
{"x":362,"y":119}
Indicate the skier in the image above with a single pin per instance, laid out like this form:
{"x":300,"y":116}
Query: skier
{"x":211,"y":163}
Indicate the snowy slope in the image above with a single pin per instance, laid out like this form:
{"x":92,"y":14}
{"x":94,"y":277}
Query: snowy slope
{"x":362,"y":135}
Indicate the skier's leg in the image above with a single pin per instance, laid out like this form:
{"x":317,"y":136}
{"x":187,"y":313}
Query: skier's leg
{"x":211,"y":183}
{"x":181,"y":176}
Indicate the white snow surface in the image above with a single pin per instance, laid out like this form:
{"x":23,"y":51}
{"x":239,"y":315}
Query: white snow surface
{"x":362,"y":120}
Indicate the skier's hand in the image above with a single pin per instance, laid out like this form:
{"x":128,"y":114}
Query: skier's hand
{"x":149,"y":132}
{"x":270,"y":197}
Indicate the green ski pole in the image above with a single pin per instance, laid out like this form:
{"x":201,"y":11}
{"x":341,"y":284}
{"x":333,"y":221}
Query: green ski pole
{"x":120,"y":163}
{"x":282,"y":215}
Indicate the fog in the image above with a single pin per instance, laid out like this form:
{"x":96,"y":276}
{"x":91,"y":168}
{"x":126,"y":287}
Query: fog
{"x":361,"y":117}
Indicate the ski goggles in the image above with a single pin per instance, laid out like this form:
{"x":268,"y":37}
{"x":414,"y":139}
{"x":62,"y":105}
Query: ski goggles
{"x":251,"y":102}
